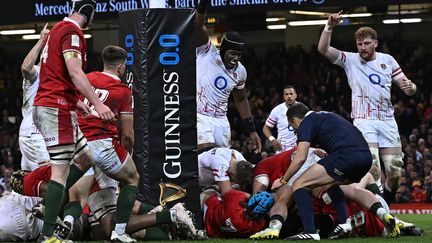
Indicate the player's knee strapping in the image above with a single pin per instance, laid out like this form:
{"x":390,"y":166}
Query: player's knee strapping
{"x":393,"y":163}
{"x":61,"y":154}
{"x":376,"y":168}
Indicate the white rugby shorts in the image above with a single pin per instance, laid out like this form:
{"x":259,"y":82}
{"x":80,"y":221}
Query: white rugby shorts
{"x":108,"y":154}
{"x":214,"y":130}
{"x":385,"y":133}
{"x":34,"y":152}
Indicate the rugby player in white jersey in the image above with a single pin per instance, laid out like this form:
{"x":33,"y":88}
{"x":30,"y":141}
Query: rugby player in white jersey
{"x":14,"y":223}
{"x":224,"y":167}
{"x":286,"y":138}
{"x":218,"y":73}
{"x":31,"y":142}
{"x":370,"y":75}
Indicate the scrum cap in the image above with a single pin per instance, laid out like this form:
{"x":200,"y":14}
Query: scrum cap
{"x":232,"y":41}
{"x":86,"y":8}
{"x":259,"y":204}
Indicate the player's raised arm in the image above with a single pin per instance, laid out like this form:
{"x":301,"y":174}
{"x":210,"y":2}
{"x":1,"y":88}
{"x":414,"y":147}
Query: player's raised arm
{"x":324,"y":47}
{"x":201,"y":30}
{"x":27,"y":68}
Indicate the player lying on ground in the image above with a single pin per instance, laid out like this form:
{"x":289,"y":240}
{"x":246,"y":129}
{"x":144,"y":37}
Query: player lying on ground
{"x":102,"y":204}
{"x":229,"y":217}
{"x":224,"y":167}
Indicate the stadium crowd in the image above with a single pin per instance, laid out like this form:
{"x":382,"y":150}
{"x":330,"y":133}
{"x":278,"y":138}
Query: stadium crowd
{"x":319,"y":84}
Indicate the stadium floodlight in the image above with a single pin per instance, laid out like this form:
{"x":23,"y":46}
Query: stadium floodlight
{"x":307,"y":22}
{"x":31,"y":37}
{"x":405,"y":21}
{"x":391,"y":21}
{"x":308,"y":13}
{"x":406,"y":12}
{"x":274,"y":19}
{"x":356,"y":15}
{"x":17,"y":32}
{"x":276,"y":27}
{"x":411,"y":20}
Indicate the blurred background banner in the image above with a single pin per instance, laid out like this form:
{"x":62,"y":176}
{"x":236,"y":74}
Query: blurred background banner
{"x":161,"y":66}
{"x":47,"y":10}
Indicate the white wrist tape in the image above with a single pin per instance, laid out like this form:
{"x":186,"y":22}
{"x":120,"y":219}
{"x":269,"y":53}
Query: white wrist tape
{"x":271,"y":138}
{"x":328,"y":28}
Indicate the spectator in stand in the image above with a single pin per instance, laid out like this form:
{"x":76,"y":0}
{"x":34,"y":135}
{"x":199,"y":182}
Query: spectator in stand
{"x":268,"y":71}
{"x":428,"y":188}
{"x":403,"y":195}
{"x":418,"y":194}
{"x":427,"y":168}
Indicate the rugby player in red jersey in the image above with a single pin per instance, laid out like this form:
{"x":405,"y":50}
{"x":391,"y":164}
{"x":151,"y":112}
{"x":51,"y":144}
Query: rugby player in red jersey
{"x":227,"y":217}
{"x":63,"y":59}
{"x":111,"y":152}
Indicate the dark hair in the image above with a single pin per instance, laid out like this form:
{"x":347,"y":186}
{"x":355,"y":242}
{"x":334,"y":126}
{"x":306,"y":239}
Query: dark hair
{"x":244,"y":173}
{"x":298,"y":110}
{"x":113,"y":55}
{"x":289,"y":86}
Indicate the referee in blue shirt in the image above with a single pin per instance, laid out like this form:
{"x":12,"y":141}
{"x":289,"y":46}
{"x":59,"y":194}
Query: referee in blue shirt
{"x":348,"y":160}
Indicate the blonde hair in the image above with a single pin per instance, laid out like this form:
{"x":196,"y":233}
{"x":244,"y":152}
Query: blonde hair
{"x":365,"y":32}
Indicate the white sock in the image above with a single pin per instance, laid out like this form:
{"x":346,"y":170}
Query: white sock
{"x":275,"y":224}
{"x":120,"y":228}
{"x":69,"y":219}
{"x":173,"y":214}
{"x":381,"y":213}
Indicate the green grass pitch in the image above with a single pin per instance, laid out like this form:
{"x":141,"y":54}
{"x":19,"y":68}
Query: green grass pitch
{"x":423,"y":221}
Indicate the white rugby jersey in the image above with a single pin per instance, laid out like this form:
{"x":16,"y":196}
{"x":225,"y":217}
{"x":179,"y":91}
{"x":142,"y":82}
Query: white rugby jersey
{"x":286,"y":134}
{"x":213,"y":165}
{"x":370,"y":84}
{"x":30,"y":88}
{"x":215,"y":82}
{"x":22,"y":205}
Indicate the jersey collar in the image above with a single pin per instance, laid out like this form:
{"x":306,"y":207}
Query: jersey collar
{"x":111,"y":75}
{"x":72,"y":21}
{"x":308,"y":113}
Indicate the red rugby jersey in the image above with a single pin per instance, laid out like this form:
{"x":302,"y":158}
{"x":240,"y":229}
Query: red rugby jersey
{"x":275,"y":166}
{"x":114,"y":94}
{"x":225,"y":218}
{"x":56,"y":88}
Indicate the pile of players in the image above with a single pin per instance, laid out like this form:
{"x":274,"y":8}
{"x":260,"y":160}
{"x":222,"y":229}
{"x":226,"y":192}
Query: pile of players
{"x":326,"y":192}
